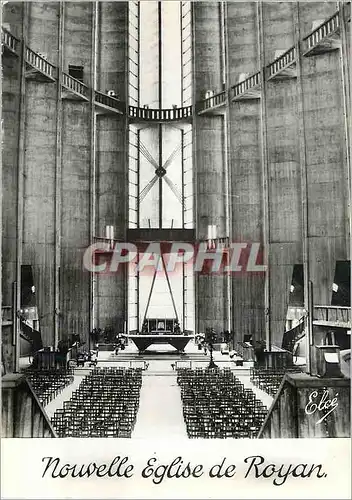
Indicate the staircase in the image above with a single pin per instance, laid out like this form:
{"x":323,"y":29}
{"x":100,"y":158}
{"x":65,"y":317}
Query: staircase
{"x":32,"y":336}
{"x":292,"y":336}
{"x":167,"y":356}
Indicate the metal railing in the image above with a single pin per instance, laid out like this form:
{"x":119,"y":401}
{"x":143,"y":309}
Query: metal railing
{"x":220,"y":242}
{"x":106,"y":100}
{"x":160,"y":114}
{"x":246,"y":85}
{"x":212,"y":101}
{"x":75,"y":85}
{"x":333,"y":314}
{"x":40,"y":63}
{"x":323,"y":31}
{"x":282,"y":62}
{"x":9,"y":41}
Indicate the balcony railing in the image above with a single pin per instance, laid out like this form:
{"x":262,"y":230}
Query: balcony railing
{"x":159,"y":115}
{"x":222,"y":242}
{"x":9,"y":41}
{"x":245,"y":88}
{"x":333,"y":315}
{"x":282,"y":63}
{"x":39,"y":63}
{"x":74,"y":85}
{"x":213,"y":101}
{"x":322,"y":32}
{"x":109,"y":102}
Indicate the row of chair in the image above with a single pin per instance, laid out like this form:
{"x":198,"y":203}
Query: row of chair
{"x":104,"y":405}
{"x":47,"y":384}
{"x":216,"y":405}
{"x":269,"y":379}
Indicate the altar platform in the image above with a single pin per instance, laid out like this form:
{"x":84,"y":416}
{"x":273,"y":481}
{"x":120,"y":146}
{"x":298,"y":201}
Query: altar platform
{"x":143,"y":341}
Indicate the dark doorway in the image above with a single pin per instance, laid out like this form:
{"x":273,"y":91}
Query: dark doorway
{"x":76,"y":72}
{"x":341,"y":288}
{"x":297,"y":287}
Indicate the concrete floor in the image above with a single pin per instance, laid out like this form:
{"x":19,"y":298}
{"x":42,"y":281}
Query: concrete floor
{"x":160,"y":411}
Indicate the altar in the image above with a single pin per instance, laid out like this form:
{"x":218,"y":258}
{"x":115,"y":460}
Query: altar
{"x":142,"y":341}
{"x":161,"y":331}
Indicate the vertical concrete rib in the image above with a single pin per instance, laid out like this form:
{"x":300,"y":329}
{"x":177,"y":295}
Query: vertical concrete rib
{"x":40,"y":167}
{"x":20,"y":188}
{"x":76,"y":155}
{"x":11,"y":112}
{"x":283,"y":219}
{"x":92,"y":177}
{"x":326,"y":169}
{"x":112,"y":157}
{"x":303,"y":170}
{"x":210,"y":161}
{"x":246,"y":168}
{"x":265,"y":175}
{"x":345,"y":52}
{"x":58,"y":173}
{"x":228,"y":215}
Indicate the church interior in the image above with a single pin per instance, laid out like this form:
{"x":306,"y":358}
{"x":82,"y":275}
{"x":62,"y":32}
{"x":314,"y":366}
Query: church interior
{"x":176,"y":219}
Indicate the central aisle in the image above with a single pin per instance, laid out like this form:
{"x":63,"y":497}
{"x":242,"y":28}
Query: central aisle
{"x":160,"y":410}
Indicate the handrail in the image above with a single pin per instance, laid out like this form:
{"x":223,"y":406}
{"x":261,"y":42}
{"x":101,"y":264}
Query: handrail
{"x":72,"y":84}
{"x":282,"y":61}
{"x":219,"y":242}
{"x":333,"y":307}
{"x":9,"y":40}
{"x":108,"y":101}
{"x":328,"y":27}
{"x":325,"y":29}
{"x":332,"y":314}
{"x":212,"y":101}
{"x":159,"y":114}
{"x":293,"y":335}
{"x":247,"y":84}
{"x":40,"y":63}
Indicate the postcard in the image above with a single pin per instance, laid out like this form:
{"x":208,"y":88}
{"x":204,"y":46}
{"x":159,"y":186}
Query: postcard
{"x":176,"y":249}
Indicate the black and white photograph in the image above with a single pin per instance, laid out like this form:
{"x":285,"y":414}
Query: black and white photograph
{"x":176,"y":236}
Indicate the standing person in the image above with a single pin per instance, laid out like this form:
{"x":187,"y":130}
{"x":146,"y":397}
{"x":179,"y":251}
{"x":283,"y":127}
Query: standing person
{"x":62,"y":350}
{"x":259,"y":353}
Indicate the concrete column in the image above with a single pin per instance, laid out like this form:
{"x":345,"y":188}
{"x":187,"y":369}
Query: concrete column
{"x":11,"y":110}
{"x":327,"y":172}
{"x":245,"y":168}
{"x":112,"y":160}
{"x":284,"y":207}
{"x":76,"y":172}
{"x":209,"y":163}
{"x":40,"y":167}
